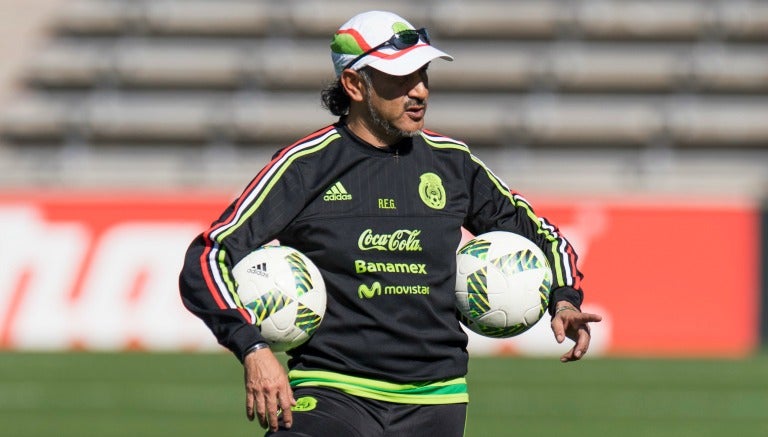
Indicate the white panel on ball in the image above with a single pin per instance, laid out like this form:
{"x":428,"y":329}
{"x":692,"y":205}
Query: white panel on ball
{"x":285,"y":293}
{"x":503,"y":282}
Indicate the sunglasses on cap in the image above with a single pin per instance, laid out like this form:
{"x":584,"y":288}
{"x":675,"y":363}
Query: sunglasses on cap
{"x":401,"y":40}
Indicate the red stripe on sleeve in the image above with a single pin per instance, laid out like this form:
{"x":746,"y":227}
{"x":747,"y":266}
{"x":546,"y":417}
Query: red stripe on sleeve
{"x":205,"y":266}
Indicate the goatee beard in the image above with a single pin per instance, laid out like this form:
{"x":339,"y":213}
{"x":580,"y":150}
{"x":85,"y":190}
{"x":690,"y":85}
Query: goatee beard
{"x":386,"y":127}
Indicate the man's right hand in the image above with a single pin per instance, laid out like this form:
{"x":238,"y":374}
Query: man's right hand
{"x":267,"y":390}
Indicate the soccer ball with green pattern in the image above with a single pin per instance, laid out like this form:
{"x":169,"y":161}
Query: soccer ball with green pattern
{"x":502,"y":284}
{"x":284,"y":293}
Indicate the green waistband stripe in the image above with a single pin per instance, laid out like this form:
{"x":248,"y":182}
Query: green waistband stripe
{"x":452,"y":391}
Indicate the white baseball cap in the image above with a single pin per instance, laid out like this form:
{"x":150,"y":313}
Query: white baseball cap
{"x":384,"y":41}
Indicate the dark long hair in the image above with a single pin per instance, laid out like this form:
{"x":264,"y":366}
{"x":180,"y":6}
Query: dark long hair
{"x":335,"y":99}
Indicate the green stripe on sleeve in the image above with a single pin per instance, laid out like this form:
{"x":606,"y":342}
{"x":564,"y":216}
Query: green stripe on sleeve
{"x":558,"y":267}
{"x":220,"y":260}
{"x":273,"y":180}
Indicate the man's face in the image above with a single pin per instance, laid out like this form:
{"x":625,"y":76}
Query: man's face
{"x":397,"y":104}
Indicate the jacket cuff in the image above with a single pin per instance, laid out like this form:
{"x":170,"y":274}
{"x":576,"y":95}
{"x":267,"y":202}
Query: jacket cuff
{"x":570,"y":294}
{"x":243,"y":339}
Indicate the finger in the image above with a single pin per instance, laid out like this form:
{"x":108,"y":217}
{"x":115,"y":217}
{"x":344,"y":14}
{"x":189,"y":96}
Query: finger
{"x":272,"y":412}
{"x":582,"y":342}
{"x":286,"y":402}
{"x":558,"y":329}
{"x":249,"y":405}
{"x":261,"y":410}
{"x":589,"y":318}
{"x":569,"y":356}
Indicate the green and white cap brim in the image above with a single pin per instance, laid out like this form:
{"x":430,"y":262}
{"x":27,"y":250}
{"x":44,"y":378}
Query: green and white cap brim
{"x":369,"y":29}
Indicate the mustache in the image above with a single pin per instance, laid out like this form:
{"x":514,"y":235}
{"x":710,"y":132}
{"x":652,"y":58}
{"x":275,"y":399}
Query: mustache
{"x":411,"y":103}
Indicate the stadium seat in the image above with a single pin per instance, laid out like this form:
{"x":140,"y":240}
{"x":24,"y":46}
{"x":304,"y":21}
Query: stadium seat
{"x":744,"y":70}
{"x":69,"y":65}
{"x":186,"y":17}
{"x":289,"y":64}
{"x":590,"y":121}
{"x":612,"y":67}
{"x":275,"y":118}
{"x":641,"y":19}
{"x":96,"y":17}
{"x":727,"y":123}
{"x":320,"y":18}
{"x":496,"y":20}
{"x":617,"y":19}
{"x":201,"y":17}
{"x":35,"y":117}
{"x":743,"y":19}
{"x":540,"y":76}
{"x":178,"y":65}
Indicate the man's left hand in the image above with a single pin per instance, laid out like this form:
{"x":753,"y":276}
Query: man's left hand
{"x":572,"y":323}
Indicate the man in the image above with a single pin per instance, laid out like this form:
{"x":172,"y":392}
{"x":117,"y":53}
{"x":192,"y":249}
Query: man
{"x":386,"y":364}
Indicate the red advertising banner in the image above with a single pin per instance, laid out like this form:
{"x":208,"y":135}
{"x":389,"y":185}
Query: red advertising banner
{"x":672,"y":278}
{"x":99,"y":271}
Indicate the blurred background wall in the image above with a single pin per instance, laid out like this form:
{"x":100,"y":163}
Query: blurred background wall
{"x":640,"y":127}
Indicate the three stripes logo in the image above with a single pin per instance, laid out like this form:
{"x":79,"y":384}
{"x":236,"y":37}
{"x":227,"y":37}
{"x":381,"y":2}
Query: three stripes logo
{"x":337,"y":192}
{"x":259,"y":269}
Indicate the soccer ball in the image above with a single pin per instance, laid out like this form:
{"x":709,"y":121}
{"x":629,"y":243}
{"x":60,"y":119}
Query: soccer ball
{"x":284,"y":292}
{"x":502,"y":284}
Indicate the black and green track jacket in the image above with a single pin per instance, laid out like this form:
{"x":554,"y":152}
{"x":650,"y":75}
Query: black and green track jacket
{"x":358,"y":212}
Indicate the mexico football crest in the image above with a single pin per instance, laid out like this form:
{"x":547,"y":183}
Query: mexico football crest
{"x":431,"y":191}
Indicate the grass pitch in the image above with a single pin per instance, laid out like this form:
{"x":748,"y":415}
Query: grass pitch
{"x":85,"y":394}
